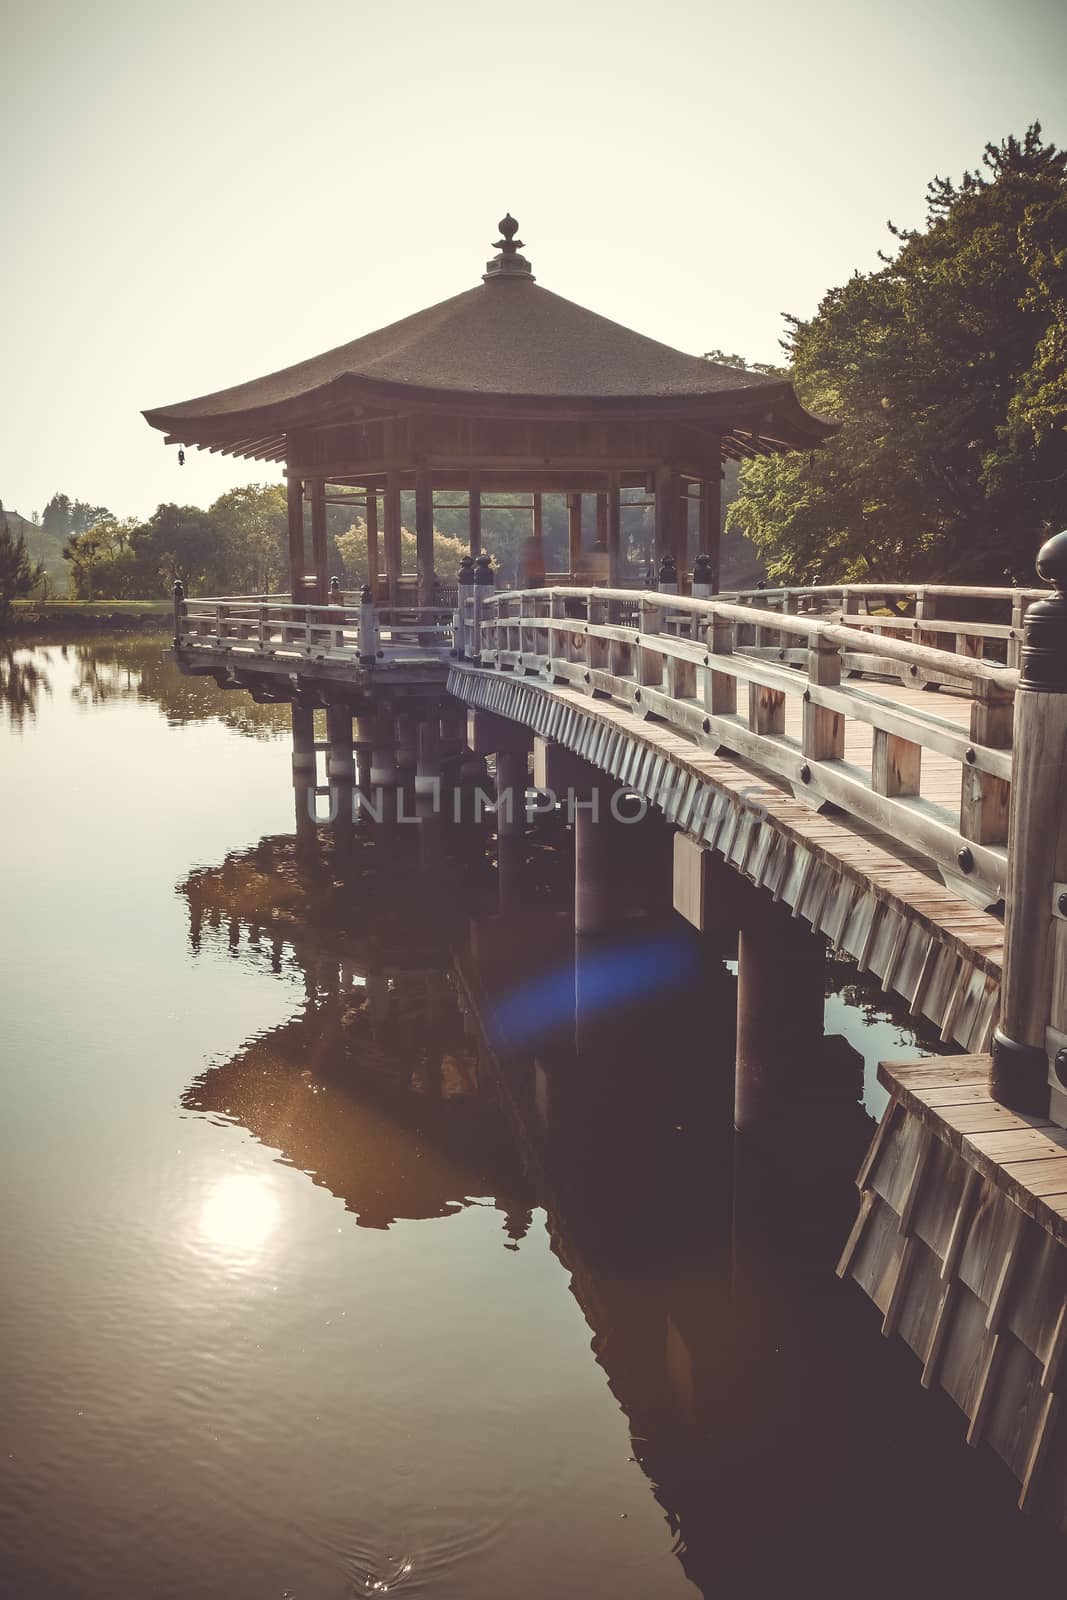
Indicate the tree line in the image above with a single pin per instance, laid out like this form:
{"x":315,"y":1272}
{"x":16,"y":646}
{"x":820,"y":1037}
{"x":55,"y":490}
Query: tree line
{"x":947,"y":369}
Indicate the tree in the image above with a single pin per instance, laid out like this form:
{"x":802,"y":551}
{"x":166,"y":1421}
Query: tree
{"x":945,"y":368}
{"x":85,"y":552}
{"x":252,"y":524}
{"x":56,"y":518}
{"x":19,"y":574}
{"x":352,"y":549}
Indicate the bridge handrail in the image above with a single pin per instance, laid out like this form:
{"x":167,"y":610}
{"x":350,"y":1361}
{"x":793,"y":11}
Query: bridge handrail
{"x":969,"y":669}
{"x":693,"y":685}
{"x":959,"y":591}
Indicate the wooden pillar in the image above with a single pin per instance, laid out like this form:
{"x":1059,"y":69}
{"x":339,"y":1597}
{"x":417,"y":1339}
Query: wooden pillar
{"x":340,"y":759}
{"x":318,"y":537}
{"x":780,"y":981}
{"x":512,"y":778}
{"x":602,"y":520}
{"x":613,"y":538}
{"x":681,"y":549}
{"x":574,"y":532}
{"x":596,"y":860}
{"x":295,"y":498}
{"x":711,"y":523}
{"x":668,"y":510}
{"x":1033,"y":991}
{"x":428,"y":768}
{"x":304,"y":769}
{"x":373,"y":565}
{"x":424,"y":532}
{"x":383,"y":762}
{"x":392,"y":536}
{"x":538,"y":563}
{"x":474,"y":492}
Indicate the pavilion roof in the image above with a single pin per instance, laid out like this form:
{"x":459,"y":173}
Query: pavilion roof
{"x":507,"y":340}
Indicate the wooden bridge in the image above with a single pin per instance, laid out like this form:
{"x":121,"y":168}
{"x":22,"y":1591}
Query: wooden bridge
{"x":883,"y":766}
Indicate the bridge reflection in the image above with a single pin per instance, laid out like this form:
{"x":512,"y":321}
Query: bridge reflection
{"x":411,"y":1085}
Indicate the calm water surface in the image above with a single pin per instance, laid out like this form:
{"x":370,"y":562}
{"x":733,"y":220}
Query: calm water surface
{"x":355,"y":1243}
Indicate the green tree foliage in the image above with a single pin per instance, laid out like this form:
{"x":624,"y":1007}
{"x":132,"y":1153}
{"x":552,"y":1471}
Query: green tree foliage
{"x":19,"y":573}
{"x":352,"y":549}
{"x":252,"y":527}
{"x":946,"y":368}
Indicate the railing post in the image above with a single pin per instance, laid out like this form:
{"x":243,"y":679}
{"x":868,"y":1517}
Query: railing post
{"x":596,"y":650}
{"x":483,"y":589}
{"x":668,"y":583}
{"x":720,"y":688}
{"x":985,"y":798}
{"x":649,"y":662}
{"x":1033,"y":991}
{"x":336,"y":598}
{"x":703,"y":576}
{"x":823,"y":730}
{"x":464,"y":593}
{"x":1015,"y":644}
{"x":368,"y":627}
{"x":179,"y":611}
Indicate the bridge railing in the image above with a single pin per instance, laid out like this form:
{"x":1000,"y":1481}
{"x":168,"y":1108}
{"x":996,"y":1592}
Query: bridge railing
{"x":677,"y":659}
{"x":252,"y":625}
{"x":969,"y":620}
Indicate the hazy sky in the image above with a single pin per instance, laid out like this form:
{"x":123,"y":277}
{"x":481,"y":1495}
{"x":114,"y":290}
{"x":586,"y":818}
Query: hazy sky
{"x":196,"y":194}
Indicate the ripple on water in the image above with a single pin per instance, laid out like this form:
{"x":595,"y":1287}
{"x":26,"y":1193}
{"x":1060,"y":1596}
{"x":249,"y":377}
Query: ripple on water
{"x":425,"y":1562}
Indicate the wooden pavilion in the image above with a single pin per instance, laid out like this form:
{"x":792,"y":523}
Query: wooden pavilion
{"x":506,"y":388}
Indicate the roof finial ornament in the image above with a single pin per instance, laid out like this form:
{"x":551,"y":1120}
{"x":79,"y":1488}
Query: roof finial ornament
{"x":509,"y":263}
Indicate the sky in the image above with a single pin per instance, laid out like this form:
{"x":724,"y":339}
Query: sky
{"x":194,"y":195}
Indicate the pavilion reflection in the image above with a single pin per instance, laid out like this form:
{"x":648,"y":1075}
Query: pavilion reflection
{"x":406,"y":1089}
{"x":373,"y":1088}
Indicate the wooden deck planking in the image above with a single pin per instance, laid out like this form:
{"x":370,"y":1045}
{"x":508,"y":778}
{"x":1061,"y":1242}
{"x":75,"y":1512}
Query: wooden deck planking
{"x":1026,"y":1157}
{"x":940,"y":778}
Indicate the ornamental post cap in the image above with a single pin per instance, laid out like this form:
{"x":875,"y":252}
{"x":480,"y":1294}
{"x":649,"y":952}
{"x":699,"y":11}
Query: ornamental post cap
{"x":509,"y":263}
{"x":1052,"y":561}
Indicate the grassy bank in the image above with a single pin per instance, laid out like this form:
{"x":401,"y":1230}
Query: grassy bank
{"x":30,"y":616}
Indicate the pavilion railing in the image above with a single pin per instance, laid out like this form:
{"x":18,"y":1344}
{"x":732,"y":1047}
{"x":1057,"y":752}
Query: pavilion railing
{"x":678,"y":659}
{"x":251,"y":625}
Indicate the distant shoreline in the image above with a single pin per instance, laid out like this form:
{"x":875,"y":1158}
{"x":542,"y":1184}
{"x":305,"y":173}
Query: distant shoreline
{"x":81,"y":616}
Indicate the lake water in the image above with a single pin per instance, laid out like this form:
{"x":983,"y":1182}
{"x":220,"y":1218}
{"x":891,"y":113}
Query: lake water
{"x":355,"y":1243}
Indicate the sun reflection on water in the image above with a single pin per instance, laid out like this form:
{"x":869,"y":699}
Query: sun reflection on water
{"x":239,"y":1215}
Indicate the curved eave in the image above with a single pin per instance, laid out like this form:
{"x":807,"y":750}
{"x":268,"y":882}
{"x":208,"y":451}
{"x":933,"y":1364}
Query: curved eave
{"x":765,"y":418}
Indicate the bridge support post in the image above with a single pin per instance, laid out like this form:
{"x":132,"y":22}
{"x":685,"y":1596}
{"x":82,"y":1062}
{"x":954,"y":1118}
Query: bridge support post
{"x":1033,"y":995}
{"x":383,"y":766}
{"x":304,"y":769}
{"x":428,"y":766}
{"x":364,"y":739}
{"x":597,"y":901}
{"x":406,"y":745}
{"x":512,"y":776}
{"x":489,"y":734}
{"x":340,"y":764}
{"x":780,"y":978}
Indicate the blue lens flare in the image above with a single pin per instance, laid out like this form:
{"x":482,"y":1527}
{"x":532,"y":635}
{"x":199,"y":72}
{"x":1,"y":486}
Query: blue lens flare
{"x":607,"y":976}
